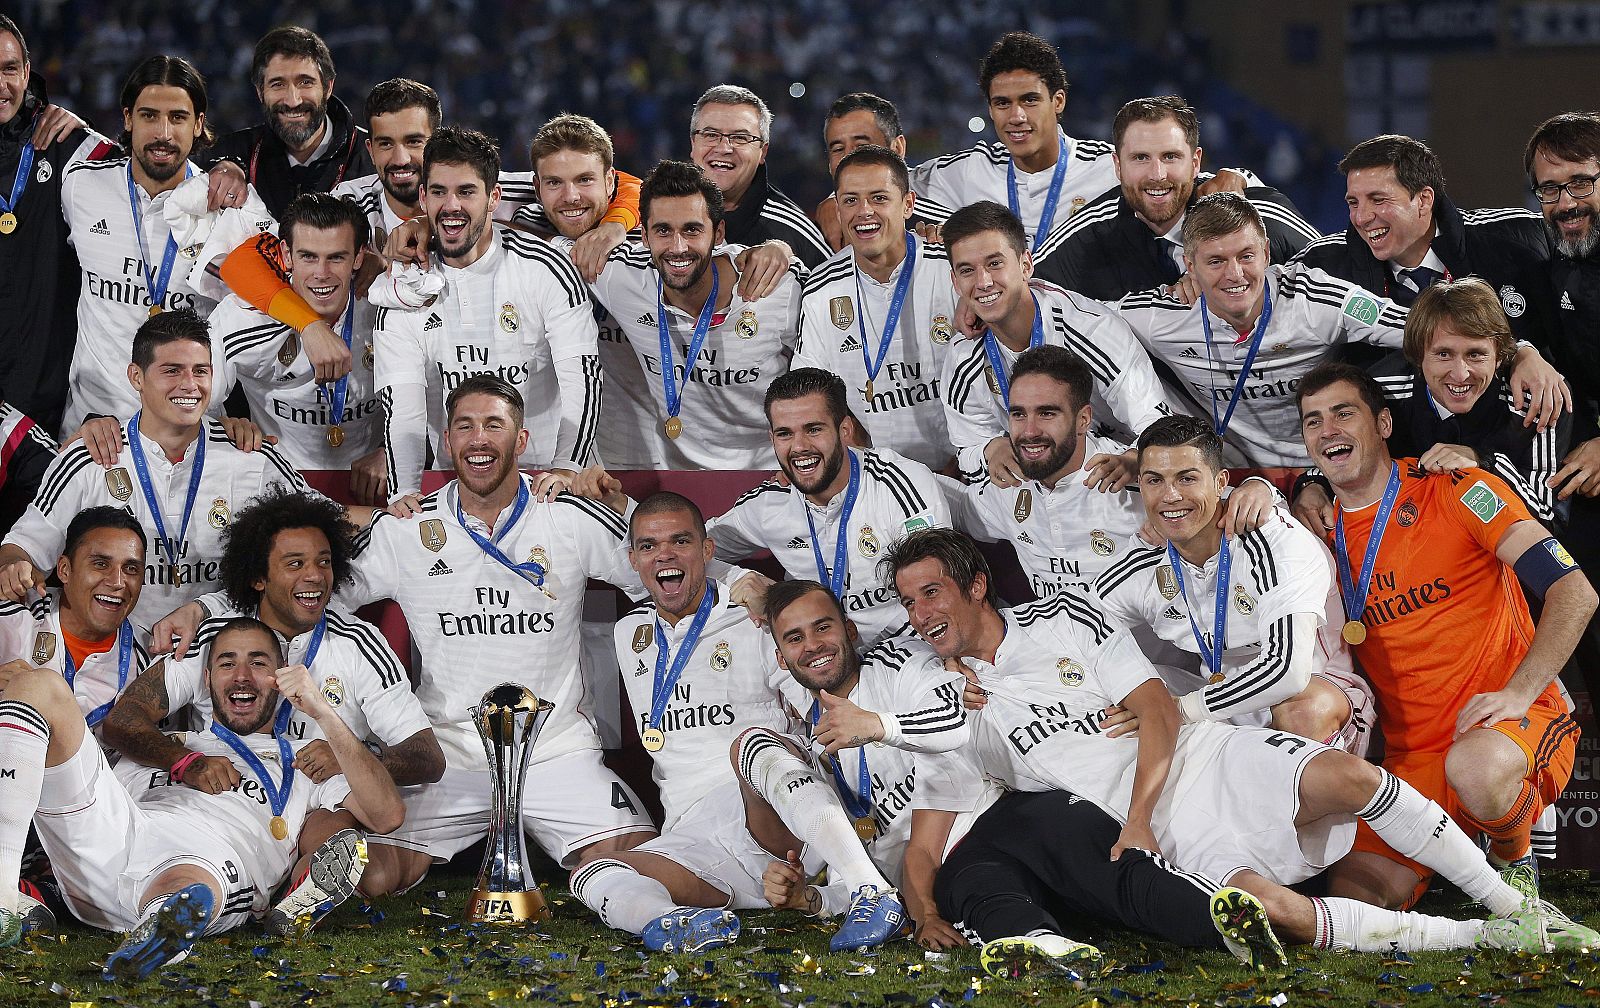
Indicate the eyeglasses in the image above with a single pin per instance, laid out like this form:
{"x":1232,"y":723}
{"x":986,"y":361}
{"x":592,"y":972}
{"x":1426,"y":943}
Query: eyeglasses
{"x":1578,"y":187}
{"x":712,"y":138}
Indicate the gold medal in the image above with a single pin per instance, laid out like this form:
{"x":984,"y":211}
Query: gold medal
{"x":866,"y":829}
{"x":8,"y":222}
{"x":654,"y":739}
{"x":1216,"y":677}
{"x":335,"y":436}
{"x":869,"y":393}
{"x":280,"y":829}
{"x":673,"y":427}
{"x":1354,"y":632}
{"x":155,"y":310}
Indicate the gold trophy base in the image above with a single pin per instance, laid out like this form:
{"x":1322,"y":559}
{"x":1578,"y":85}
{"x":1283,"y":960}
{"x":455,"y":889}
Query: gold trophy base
{"x":489,"y":907}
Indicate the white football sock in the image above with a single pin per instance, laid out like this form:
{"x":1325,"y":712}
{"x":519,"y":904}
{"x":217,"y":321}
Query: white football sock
{"x":1418,"y":828}
{"x":806,"y":803}
{"x":622,"y":897}
{"x":24,"y":740}
{"x":1352,"y":926}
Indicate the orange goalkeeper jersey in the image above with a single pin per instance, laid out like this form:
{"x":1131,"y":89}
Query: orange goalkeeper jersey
{"x":1445,"y":618}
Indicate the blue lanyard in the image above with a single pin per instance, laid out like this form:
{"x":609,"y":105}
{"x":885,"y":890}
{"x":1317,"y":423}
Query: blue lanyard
{"x":702,"y":326}
{"x":341,"y":388}
{"x":143,"y":469}
{"x":277,"y":797}
{"x":124,"y":659}
{"x":857,"y":800}
{"x":528,"y":570}
{"x":316,"y":642}
{"x":835,"y":579}
{"x":666,"y":679}
{"x":24,"y":169}
{"x":1220,"y":424}
{"x":1355,"y":603}
{"x":155,"y":285}
{"x":997,"y":364}
{"x":1212,"y":656}
{"x":1053,"y":197}
{"x":901,"y":287}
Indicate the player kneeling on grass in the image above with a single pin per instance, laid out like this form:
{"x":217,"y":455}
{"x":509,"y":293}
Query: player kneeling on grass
{"x":166,"y":862}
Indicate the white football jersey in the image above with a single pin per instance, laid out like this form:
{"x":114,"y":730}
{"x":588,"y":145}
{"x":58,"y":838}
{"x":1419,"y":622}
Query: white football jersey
{"x":896,"y":496}
{"x":32,"y":633}
{"x":1313,"y":314}
{"x":1126,"y":391}
{"x":477,"y":624}
{"x":229,"y":480}
{"x":266,"y":358}
{"x":720,"y":402}
{"x":905,"y":412}
{"x":520,"y":313}
{"x":946,"y":184}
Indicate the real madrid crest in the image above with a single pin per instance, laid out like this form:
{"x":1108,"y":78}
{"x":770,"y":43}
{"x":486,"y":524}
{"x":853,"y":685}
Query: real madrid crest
{"x":747,"y":326}
{"x":190,"y":252}
{"x":842,"y":310}
{"x":1070,"y":671}
{"x":119,"y":483}
{"x":940,"y":331}
{"x":1406,"y":514}
{"x":432,"y":533}
{"x":721,"y":657}
{"x":867,"y":542}
{"x":333,"y":691}
{"x":1101,"y":543}
{"x":367,"y":358}
{"x":44,"y":172}
{"x":1242,"y":602}
{"x":219,"y":514}
{"x":44,"y":647}
{"x":641,"y":638}
{"x":538,"y":556}
{"x":994,"y":383}
{"x":508,"y":317}
{"x":1078,"y":203}
{"x":1024,"y":506}
{"x":1166,"y":582}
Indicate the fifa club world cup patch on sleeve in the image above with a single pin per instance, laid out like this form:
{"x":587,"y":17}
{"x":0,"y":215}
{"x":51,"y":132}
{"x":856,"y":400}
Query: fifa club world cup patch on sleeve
{"x":1482,"y":501}
{"x":1362,"y":308}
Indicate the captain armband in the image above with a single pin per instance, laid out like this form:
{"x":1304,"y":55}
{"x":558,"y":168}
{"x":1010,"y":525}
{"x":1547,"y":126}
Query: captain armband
{"x":1543,"y":564}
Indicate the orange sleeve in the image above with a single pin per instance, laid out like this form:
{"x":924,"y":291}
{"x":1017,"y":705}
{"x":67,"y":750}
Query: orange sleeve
{"x":1485,"y":506}
{"x":256,"y":273}
{"x":624,"y":208}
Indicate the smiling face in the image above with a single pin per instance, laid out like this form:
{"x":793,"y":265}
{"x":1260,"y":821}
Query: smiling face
{"x":1343,"y":437}
{"x":458,"y":203}
{"x":163,"y":127}
{"x":990,"y":275}
{"x":941,"y":613}
{"x":808,"y":444}
{"x":575,"y":189}
{"x":322,"y":262}
{"x":1574,"y":224}
{"x":176,"y":388}
{"x":1395,"y":224}
{"x":485,"y":440}
{"x":680,"y":238}
{"x":844,"y":134}
{"x":670,"y":554}
{"x":1457,"y":367}
{"x":299,"y":580}
{"x":100,"y":581}
{"x":728,"y":162}
{"x":1181,"y":491}
{"x":1046,"y":429}
{"x":395,"y":145}
{"x":1231,"y":272}
{"x":242,"y":665}
{"x":296,"y":99}
{"x":14,"y":73}
{"x":1025,"y":114}
{"x":1157,"y":169}
{"x":873,"y":210}
{"x":816,"y":644}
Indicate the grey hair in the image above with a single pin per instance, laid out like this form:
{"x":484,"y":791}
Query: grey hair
{"x":733,"y":94}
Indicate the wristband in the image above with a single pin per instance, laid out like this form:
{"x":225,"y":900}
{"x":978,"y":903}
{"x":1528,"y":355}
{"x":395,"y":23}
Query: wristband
{"x":179,"y":767}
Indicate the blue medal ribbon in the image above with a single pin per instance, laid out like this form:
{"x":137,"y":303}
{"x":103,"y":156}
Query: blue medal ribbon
{"x":891,"y":320}
{"x":277,"y":796}
{"x":836,"y":577}
{"x":666,"y":678}
{"x":1057,"y":179}
{"x":142,"y":468}
{"x":124,"y":658}
{"x":1220,"y":424}
{"x":18,"y":184}
{"x":1212,"y":656}
{"x":315,"y":644}
{"x":997,"y":364}
{"x":531,"y":572}
{"x":1355,"y":602}
{"x":156,"y":285}
{"x":857,"y":800}
{"x":341,"y":388}
{"x":702,"y":326}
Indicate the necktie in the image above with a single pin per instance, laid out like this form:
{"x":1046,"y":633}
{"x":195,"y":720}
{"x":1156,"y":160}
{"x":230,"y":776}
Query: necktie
{"x":1169,"y":270}
{"x":1422,"y":277}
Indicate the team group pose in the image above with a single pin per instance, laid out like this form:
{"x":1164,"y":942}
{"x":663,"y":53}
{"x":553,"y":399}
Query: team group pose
{"x":1277,"y":500}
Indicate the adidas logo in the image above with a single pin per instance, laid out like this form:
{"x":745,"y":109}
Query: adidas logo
{"x":850,"y":343}
{"x":100,"y":228}
{"x":797,"y":543}
{"x":1189,"y":351}
{"x":641,"y":670}
{"x":434,"y":322}
{"x":1025,"y":537}
{"x":439,"y":567}
{"x":1172,"y":613}
{"x":1566,"y":301}
{"x":648,"y":318}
